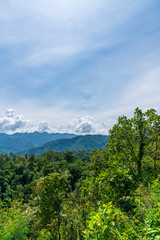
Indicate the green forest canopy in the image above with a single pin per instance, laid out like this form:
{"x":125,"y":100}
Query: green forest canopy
{"x":113,"y":193}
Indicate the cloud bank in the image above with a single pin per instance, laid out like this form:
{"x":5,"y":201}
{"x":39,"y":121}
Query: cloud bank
{"x":12,"y":123}
{"x":87,"y":125}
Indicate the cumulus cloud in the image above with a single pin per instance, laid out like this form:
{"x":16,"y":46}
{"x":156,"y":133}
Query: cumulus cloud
{"x":88,"y":125}
{"x":12,"y":123}
{"x":81,"y":125}
{"x":43,"y":127}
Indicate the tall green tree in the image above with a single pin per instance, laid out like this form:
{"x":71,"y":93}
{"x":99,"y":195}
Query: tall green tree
{"x":50,"y":194}
{"x":131,"y":139}
{"x":153,"y":126}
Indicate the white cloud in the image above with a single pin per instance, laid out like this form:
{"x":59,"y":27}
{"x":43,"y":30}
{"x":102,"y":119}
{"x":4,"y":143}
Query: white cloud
{"x":82,"y":125}
{"x":43,"y":127}
{"x":12,"y":123}
{"x":88,"y":125}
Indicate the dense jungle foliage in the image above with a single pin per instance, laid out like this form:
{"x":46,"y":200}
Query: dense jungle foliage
{"x":113,"y":193}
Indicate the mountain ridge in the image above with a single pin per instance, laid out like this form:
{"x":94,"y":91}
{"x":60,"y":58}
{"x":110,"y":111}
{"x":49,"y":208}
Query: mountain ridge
{"x":83,"y":142}
{"x":24,"y":141}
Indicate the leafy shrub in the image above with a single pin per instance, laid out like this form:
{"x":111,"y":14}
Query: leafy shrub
{"x":14,"y":222}
{"x":109,"y":223}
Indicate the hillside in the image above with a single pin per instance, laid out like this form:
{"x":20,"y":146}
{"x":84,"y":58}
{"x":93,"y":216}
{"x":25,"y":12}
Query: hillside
{"x":111,"y":193}
{"x":19,"y":142}
{"x":87,"y":142}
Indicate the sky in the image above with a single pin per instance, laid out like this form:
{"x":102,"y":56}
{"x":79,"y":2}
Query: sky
{"x":76,"y":66}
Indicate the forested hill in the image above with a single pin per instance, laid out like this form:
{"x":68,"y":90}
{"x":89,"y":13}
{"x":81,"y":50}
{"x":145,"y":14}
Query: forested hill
{"x":24,"y":141}
{"x":87,"y":142}
{"x":107,"y":194}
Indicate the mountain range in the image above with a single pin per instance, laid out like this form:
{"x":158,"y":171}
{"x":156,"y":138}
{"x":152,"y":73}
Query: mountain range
{"x":86,"y":143}
{"x":22,"y":143}
{"x":19,"y":142}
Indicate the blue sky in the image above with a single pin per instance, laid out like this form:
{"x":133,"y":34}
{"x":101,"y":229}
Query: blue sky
{"x":77,"y":65}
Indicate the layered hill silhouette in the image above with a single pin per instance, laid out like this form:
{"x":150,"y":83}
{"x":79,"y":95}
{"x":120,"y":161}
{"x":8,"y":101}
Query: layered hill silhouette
{"x":20,"y":142}
{"x":86,"y":143}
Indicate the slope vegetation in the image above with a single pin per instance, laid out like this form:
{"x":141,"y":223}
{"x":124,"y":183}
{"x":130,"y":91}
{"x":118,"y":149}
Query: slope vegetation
{"x":87,"y":142}
{"x":19,"y":142}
